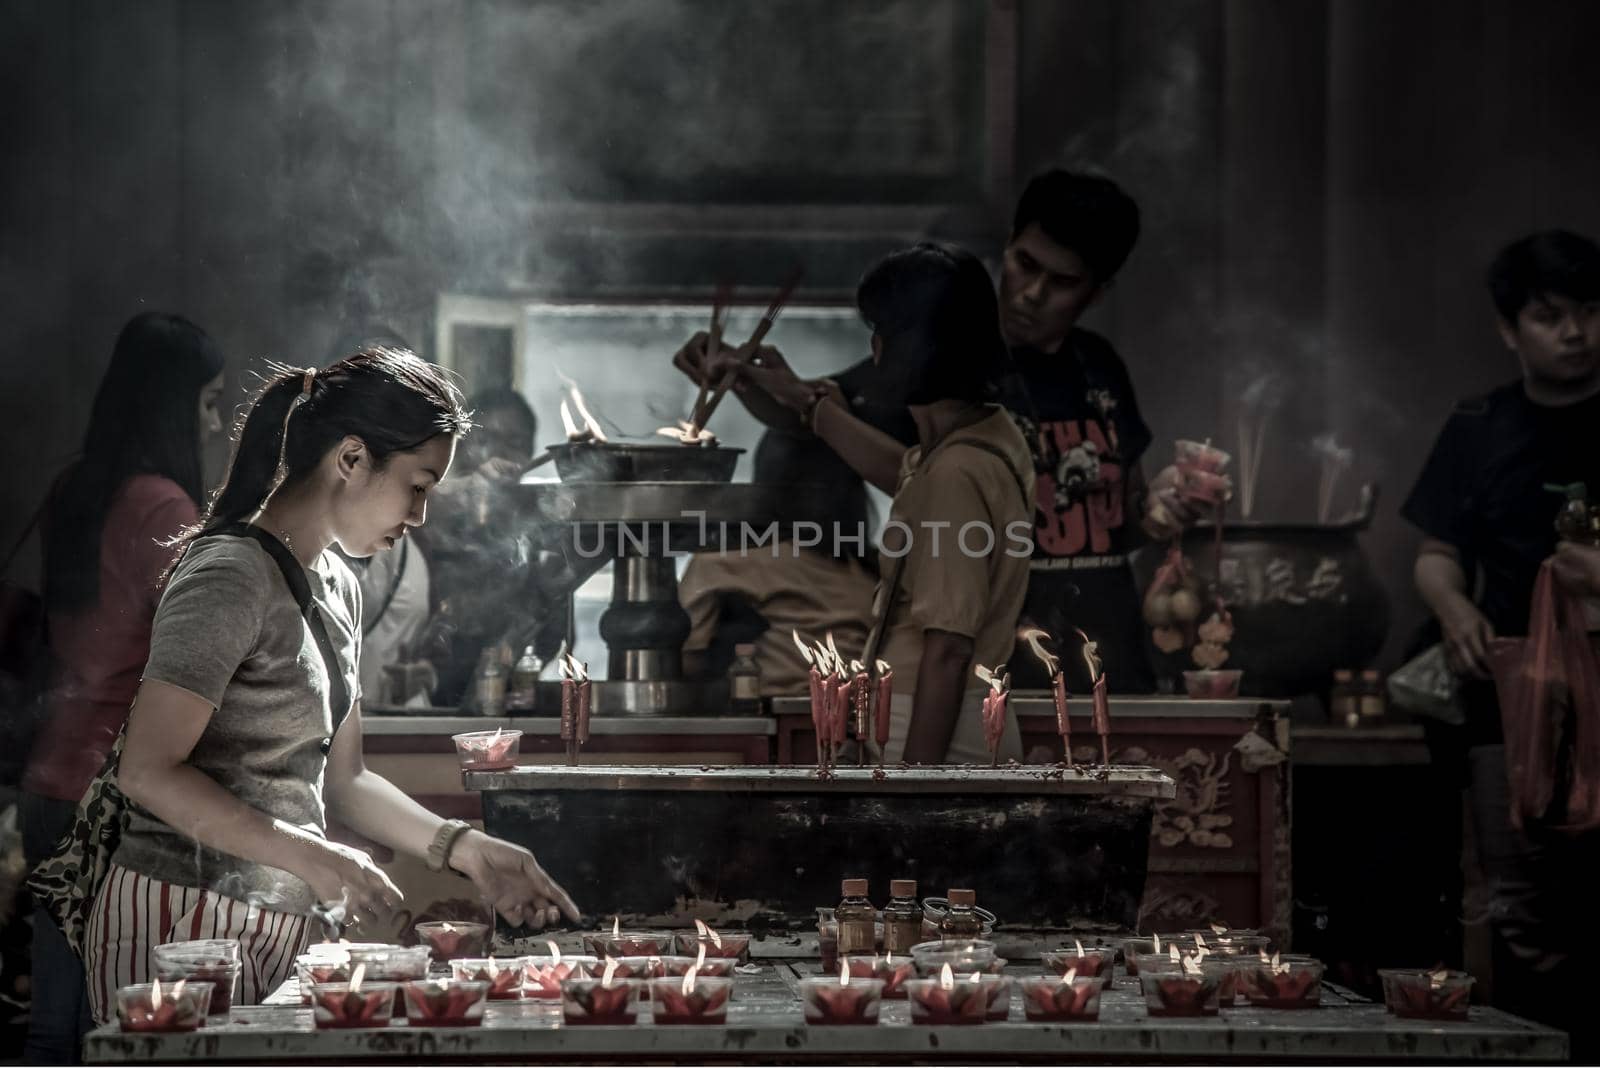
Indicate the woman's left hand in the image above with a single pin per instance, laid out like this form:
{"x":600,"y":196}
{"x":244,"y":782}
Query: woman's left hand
{"x":509,"y":878}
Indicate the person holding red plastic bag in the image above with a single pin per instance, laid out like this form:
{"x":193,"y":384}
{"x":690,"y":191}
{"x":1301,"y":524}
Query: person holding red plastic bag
{"x":1488,"y":523}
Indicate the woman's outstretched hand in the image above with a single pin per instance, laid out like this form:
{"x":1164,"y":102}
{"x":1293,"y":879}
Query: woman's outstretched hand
{"x":510,"y":879}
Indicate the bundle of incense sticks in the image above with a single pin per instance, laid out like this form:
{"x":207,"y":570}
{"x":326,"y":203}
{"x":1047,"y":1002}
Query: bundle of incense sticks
{"x":1035,"y":637}
{"x":575,"y":697}
{"x":704,"y":410}
{"x":994,"y":709}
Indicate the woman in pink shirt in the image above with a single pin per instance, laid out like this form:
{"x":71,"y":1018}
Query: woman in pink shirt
{"x":108,"y":529}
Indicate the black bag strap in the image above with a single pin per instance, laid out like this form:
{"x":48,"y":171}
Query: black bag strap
{"x":295,"y":576}
{"x":891,"y":581}
{"x":22,"y":539}
{"x":369,"y":621}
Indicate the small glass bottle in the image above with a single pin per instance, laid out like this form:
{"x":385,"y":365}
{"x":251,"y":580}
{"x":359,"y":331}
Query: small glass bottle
{"x":961,"y":922}
{"x":1344,"y":702}
{"x":490,"y":684}
{"x":902,"y":917}
{"x":1372,"y":703}
{"x":857,"y":919}
{"x":522,"y":694}
{"x":744,"y":681}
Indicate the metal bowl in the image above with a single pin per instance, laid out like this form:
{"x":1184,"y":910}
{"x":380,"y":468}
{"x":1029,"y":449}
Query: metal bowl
{"x":620,"y":461}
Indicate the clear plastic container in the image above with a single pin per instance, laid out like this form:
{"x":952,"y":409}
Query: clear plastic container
{"x":446,"y":939}
{"x":1419,"y":994}
{"x":163,"y":1007}
{"x":544,"y":975}
{"x":392,"y":964}
{"x":222,"y":974}
{"x":1291,"y":983}
{"x":827,"y":1003}
{"x":963,"y":1001}
{"x":444,"y":1002}
{"x":890,"y":970}
{"x":595,"y":1001}
{"x":336,"y":1005}
{"x":1048,"y":999}
{"x":735,"y":945}
{"x":704,"y":1002}
{"x":1221,"y":684}
{"x":488,"y":750}
{"x":1177,"y":993}
{"x":975,"y":955}
{"x":1094,"y":961}
{"x":310,"y":970}
{"x":506,"y":976}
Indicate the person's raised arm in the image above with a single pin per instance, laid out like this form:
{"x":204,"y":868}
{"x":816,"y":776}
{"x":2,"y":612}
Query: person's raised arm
{"x":506,"y":876}
{"x":1442,"y":583}
{"x":692,"y":360}
{"x":871,"y":453}
{"x":165,"y":723}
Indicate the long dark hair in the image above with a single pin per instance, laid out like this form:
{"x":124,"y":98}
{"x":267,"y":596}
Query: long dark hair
{"x":393,"y":400}
{"x":146,"y":419}
{"x":934,"y":308}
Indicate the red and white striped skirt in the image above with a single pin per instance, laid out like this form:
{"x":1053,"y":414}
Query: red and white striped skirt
{"x":134,"y":913}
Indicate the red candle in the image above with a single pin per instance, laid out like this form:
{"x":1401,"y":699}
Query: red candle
{"x":1282,"y":982}
{"x":694,"y":999}
{"x":505,"y":977}
{"x":948,"y":1000}
{"x":890,"y":970}
{"x":606,"y":1000}
{"x":1058,"y":690}
{"x":453,"y":938}
{"x":994,"y":722}
{"x":152,"y":1007}
{"x":352,"y":1004}
{"x":1441,"y":994}
{"x":1064,"y":1000}
{"x":544,"y":976}
{"x":885,"y":698}
{"x":445,"y":1002}
{"x":1087,"y":963}
{"x":842,"y":1002}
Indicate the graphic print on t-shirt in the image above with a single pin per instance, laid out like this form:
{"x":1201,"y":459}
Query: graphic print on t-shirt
{"x":1079,"y":489}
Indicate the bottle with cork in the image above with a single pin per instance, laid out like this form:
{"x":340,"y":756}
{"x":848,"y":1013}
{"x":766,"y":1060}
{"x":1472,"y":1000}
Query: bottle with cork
{"x":902,"y":917}
{"x":857,"y":919}
{"x":961,"y":922}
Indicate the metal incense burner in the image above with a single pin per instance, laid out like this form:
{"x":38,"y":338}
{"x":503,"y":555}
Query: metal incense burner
{"x":761,"y":847}
{"x":643,"y":526}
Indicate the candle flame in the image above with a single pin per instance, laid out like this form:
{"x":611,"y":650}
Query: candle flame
{"x":1217,"y":928}
{"x":1066,"y":980}
{"x":177,"y":991}
{"x":884,"y":667}
{"x":947,"y":978}
{"x":685,"y":433}
{"x":155,"y":991}
{"x":610,"y":975}
{"x":833,"y":650}
{"x":688,"y":980}
{"x":1079,"y":943}
{"x":857,"y":667}
{"x":805,"y":652}
{"x":1091,"y":657}
{"x":706,"y":932}
{"x":700,"y":958}
{"x":975,"y":977}
{"x":1191,"y":966}
{"x":1035,"y":637}
{"x":616,"y":926}
{"x":449,"y":928}
{"x":356,"y":976}
{"x":567,"y":422}
{"x":888,"y":958}
{"x":1172,"y":951}
{"x":590,"y":430}
{"x":1436,"y":979}
{"x":844,"y":974}
{"x":1157,"y":940}
{"x":1263,"y":955}
{"x":555,"y":952}
{"x":1200,"y":941}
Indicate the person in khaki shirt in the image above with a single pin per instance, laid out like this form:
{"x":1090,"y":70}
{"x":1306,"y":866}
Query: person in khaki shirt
{"x":962,"y":516}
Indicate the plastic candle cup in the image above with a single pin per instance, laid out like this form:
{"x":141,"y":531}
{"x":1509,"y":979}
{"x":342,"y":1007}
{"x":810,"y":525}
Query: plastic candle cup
{"x":488,"y":750}
{"x":948,"y":999}
{"x":1420,"y":994}
{"x":1176,"y":992}
{"x":445,"y":1002}
{"x":505,"y":975}
{"x":693,"y":999}
{"x":163,"y":1007}
{"x":1059,"y":999}
{"x":392,"y":964}
{"x":963,"y":957}
{"x":841,"y":1001}
{"x":341,"y":1005}
{"x":634,"y":944}
{"x":172,"y":966}
{"x":891,"y":970}
{"x":446,"y":939}
{"x":733,"y":945}
{"x":1093,"y":962}
{"x":543,"y":976}
{"x":602,"y":1000}
{"x":312,"y":970}
{"x":1281,"y":982}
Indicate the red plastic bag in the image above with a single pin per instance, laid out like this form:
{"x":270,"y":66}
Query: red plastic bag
{"x":1549,"y":689}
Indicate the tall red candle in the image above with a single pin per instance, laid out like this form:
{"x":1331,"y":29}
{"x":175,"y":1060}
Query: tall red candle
{"x":1058,"y":690}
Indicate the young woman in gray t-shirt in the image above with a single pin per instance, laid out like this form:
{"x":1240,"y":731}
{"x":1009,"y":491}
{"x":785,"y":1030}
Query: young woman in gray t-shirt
{"x":235,"y":756}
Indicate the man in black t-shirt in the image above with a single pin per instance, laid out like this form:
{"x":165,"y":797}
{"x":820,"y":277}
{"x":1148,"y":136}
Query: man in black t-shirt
{"x":1482,"y":505}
